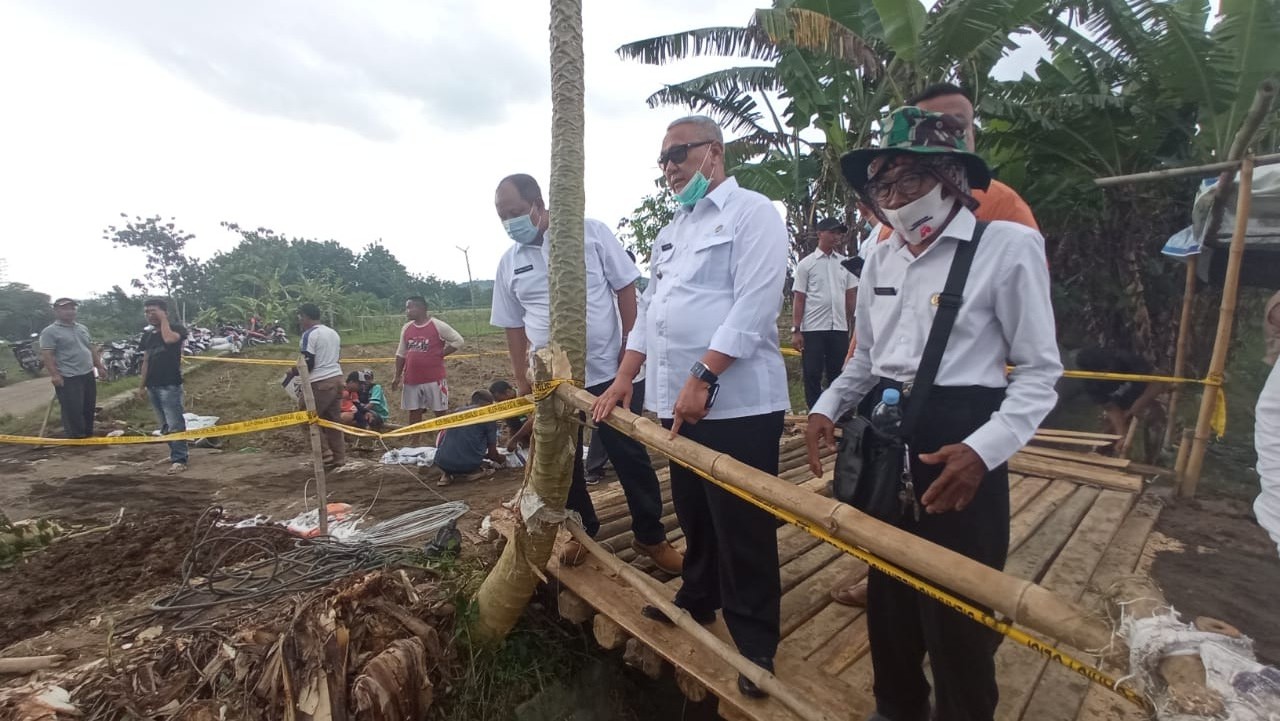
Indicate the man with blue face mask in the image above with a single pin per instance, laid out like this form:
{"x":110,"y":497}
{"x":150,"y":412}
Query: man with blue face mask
{"x":521,"y":305}
{"x":708,"y":332}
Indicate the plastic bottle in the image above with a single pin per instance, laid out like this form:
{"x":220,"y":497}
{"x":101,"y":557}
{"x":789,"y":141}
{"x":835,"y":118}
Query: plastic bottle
{"x":887,"y":415}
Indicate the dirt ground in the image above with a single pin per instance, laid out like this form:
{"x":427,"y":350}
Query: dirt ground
{"x":1221,"y":564}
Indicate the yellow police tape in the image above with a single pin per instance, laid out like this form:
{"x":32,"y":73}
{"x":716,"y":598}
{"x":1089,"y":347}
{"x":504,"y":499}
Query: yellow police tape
{"x":283,"y":420}
{"x":1050,"y":652}
{"x":353,"y":361}
{"x":494,"y":412}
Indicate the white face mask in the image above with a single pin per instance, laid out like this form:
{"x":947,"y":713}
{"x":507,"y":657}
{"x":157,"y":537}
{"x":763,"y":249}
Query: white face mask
{"x":922,"y":217}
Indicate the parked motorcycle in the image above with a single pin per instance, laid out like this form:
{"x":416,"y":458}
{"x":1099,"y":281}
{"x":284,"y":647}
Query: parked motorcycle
{"x":118,"y":359}
{"x":278,"y":335}
{"x":27,"y":356}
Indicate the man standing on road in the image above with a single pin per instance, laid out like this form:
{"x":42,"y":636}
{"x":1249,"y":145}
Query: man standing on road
{"x":823,"y":295}
{"x":424,"y":342}
{"x":70,"y":357}
{"x":321,"y":347}
{"x":162,"y":376}
{"x":521,"y":305}
{"x":976,"y":414}
{"x":708,"y":332}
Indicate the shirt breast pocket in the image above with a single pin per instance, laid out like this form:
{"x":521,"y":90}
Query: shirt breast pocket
{"x":710,"y":262}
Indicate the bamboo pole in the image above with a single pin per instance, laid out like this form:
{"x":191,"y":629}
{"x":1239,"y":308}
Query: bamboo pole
{"x":1020,"y":600}
{"x":1180,"y":355}
{"x":1221,"y":342}
{"x":317,"y":452}
{"x":1226,"y":165}
{"x":661,"y":599}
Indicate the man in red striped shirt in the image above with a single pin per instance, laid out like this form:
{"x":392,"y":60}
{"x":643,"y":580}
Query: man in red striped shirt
{"x":424,"y":342}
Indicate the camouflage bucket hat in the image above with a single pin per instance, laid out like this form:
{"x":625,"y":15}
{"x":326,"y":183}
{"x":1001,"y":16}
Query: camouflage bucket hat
{"x":913,"y":130}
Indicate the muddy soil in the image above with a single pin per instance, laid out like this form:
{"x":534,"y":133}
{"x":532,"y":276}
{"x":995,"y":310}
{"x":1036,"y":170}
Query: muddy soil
{"x":1224,"y":566}
{"x":74,"y":578}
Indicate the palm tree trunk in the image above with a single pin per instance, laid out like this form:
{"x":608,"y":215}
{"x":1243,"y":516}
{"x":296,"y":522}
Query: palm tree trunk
{"x":507,"y":589}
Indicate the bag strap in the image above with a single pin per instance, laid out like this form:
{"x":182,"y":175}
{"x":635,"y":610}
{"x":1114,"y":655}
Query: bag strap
{"x":949,"y":302}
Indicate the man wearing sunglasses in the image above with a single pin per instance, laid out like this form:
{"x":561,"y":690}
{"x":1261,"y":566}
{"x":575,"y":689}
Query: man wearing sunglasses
{"x":708,"y":331}
{"x":521,"y":305}
{"x":969,"y":420}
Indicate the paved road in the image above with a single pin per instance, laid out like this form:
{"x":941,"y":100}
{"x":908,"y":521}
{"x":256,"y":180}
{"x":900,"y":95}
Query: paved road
{"x":25,"y":396}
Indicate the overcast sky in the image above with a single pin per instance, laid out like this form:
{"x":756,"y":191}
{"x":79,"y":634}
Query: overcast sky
{"x":390,"y":119}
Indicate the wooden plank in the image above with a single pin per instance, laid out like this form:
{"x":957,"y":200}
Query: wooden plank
{"x":1119,"y":561}
{"x":845,"y":649}
{"x":1081,"y":472}
{"x":1021,"y":494}
{"x":808,"y":638}
{"x":1094,"y":458}
{"x":808,"y":598}
{"x":1025,"y":523}
{"x":1033,"y":557}
{"x":806,"y":565}
{"x":1018,"y":667}
{"x":1077,"y":434}
{"x":1062,"y":441}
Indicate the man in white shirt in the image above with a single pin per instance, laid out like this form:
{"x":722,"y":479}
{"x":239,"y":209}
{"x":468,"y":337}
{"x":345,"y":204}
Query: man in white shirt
{"x":708,"y":332}
{"x":521,"y":305}
{"x":977,"y":415}
{"x":822,"y":297}
{"x":321,"y":347}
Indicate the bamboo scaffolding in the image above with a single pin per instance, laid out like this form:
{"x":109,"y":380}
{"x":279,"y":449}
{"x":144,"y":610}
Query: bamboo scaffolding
{"x":1021,"y":601}
{"x":1221,"y":342}
{"x":1225,"y":165}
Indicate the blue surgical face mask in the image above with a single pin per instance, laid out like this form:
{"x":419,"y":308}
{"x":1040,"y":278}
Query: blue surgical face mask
{"x":696,"y":188}
{"x":521,"y":229}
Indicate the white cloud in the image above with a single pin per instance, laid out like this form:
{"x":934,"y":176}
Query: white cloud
{"x":388,"y":120}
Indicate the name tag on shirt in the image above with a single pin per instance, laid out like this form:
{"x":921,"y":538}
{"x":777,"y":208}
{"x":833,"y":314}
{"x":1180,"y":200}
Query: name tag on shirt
{"x":666,"y":246}
{"x":882,"y":290}
{"x":525,"y":269}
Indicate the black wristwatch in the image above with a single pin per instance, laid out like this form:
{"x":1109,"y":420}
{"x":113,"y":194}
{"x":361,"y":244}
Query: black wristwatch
{"x":703,"y":373}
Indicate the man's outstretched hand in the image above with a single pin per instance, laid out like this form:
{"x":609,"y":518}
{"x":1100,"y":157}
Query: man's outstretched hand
{"x":962,"y":472}
{"x":820,"y":431}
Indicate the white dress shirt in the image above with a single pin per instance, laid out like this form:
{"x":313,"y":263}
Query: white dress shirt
{"x":521,"y":296}
{"x":1006,"y":318}
{"x":717,"y":277}
{"x":824,"y":283}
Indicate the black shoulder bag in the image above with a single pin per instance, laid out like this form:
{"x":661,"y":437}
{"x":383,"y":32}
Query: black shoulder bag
{"x":873,"y":472}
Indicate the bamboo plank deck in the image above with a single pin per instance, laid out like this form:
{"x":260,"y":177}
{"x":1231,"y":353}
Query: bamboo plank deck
{"x":1078,"y":521}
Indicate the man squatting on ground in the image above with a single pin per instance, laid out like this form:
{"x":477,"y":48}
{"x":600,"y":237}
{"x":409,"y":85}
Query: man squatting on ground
{"x":521,"y":306}
{"x":976,"y":416}
{"x":708,"y":332}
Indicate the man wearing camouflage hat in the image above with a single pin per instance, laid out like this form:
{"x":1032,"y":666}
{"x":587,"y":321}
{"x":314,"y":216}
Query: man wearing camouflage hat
{"x":961,"y":427}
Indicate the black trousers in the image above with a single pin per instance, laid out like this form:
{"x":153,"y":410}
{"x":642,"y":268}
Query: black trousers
{"x":903,"y":625}
{"x":635,"y":472}
{"x":78,"y":398}
{"x":823,"y":354}
{"x":731,"y":554}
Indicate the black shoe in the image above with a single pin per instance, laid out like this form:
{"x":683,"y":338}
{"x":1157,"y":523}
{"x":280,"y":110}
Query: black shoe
{"x":746,"y":686}
{"x":654,"y":613}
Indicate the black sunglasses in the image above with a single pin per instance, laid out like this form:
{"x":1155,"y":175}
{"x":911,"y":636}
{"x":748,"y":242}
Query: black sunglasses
{"x":679,"y":153}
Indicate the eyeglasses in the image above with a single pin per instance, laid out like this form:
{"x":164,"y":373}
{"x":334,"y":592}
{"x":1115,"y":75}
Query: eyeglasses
{"x":906,"y":184}
{"x":679,"y":153}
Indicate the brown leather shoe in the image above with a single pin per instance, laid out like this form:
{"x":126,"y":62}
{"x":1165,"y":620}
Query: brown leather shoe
{"x":572,"y":553}
{"x":664,"y":556}
{"x":855,"y":595}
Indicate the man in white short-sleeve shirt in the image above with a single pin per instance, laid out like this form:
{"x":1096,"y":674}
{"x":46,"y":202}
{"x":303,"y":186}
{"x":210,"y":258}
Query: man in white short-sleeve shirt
{"x":521,"y":305}
{"x":823,"y":292}
{"x":321,"y":346}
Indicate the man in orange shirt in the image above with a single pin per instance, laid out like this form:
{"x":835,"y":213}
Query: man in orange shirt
{"x":997,"y":202}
